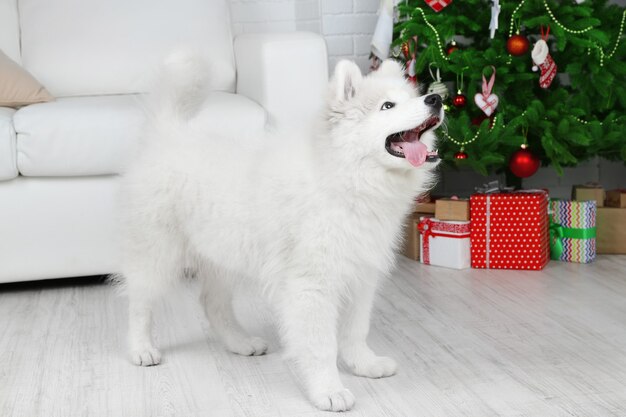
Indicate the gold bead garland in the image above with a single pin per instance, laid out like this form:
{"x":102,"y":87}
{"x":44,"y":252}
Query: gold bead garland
{"x":519,"y":6}
{"x":559,"y":24}
{"x":461,"y":144}
{"x":619,"y":36}
{"x":419,"y":9}
{"x":473,"y":139}
{"x":585,"y":122}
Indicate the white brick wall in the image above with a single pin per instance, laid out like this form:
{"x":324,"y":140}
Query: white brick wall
{"x":347,"y":26}
{"x":349,"y":23}
{"x":275,"y":15}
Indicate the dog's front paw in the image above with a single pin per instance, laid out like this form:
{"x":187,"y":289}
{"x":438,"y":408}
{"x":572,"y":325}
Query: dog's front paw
{"x":374,"y":367}
{"x":146,"y":356}
{"x":247,"y":346}
{"x":339,"y":400}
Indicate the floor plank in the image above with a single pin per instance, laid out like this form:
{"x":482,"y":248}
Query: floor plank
{"x":469,"y":343}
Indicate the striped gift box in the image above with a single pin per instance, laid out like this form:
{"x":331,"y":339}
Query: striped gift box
{"x":573,"y":230}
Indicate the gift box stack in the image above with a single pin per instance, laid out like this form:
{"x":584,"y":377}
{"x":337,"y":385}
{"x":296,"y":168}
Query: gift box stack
{"x":445,"y":238}
{"x":424,"y":207}
{"x":610,"y":236}
{"x":444,"y":243}
{"x":517,"y":229}
{"x":438,"y":233}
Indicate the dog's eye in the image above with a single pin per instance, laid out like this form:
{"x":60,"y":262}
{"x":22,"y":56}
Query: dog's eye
{"x":387,"y":105}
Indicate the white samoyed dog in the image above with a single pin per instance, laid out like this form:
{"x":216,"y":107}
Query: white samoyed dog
{"x":315,"y":221}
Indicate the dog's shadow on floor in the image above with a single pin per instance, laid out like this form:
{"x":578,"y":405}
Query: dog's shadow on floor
{"x":252,"y":314}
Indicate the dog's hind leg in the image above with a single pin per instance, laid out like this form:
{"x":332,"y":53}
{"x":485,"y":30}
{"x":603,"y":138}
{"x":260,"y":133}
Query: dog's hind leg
{"x":216,"y":299}
{"x":142,"y":350}
{"x":354,"y":327}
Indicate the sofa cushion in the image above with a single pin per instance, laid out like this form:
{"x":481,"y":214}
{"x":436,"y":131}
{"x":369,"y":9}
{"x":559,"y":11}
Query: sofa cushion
{"x":94,"y":135}
{"x":90,"y":47}
{"x":77,"y":135}
{"x":8,"y":164}
{"x":17,"y":86}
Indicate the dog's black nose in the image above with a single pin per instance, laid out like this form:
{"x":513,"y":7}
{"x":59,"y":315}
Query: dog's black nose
{"x":433,"y":100}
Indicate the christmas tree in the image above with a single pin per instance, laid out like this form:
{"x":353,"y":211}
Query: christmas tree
{"x":570,"y":110}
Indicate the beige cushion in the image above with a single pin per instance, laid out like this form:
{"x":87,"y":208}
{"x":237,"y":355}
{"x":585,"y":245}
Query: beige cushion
{"x":17,"y":86}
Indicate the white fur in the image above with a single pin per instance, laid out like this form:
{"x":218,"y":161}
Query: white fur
{"x":314,"y":221}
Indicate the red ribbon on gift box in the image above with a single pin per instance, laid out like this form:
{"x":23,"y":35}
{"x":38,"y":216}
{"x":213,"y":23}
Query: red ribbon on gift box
{"x":427,"y":228}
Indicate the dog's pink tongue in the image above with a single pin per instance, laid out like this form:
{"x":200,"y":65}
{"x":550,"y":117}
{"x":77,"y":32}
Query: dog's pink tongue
{"x":415,"y":152}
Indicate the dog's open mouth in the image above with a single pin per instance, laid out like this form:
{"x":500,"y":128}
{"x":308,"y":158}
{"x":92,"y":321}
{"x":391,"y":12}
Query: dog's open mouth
{"x":407,"y":144}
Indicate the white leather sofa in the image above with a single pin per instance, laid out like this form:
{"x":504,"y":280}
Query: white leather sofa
{"x":59,"y":160}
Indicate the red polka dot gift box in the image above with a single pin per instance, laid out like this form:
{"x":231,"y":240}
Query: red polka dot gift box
{"x":510,"y":230}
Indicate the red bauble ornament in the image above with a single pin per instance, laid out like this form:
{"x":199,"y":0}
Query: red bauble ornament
{"x":452,"y":47}
{"x":460,"y":155}
{"x":459,"y":100}
{"x":524,"y":163}
{"x":517,"y":45}
{"x":476,"y":121}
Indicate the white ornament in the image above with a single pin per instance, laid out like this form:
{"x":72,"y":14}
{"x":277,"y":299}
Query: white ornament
{"x":437,"y":87}
{"x":495,"y":13}
{"x":486,"y":104}
{"x":487,"y":101}
{"x":383,"y":33}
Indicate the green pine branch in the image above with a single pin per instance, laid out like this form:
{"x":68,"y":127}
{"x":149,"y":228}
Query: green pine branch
{"x":579,"y":116}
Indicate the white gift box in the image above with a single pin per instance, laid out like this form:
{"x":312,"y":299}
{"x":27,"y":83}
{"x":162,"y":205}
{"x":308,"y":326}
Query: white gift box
{"x":444,"y":243}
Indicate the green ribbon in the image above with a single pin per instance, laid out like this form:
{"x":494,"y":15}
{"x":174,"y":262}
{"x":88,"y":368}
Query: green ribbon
{"x":558,"y":232}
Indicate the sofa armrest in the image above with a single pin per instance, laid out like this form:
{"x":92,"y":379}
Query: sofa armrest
{"x":286,"y":73}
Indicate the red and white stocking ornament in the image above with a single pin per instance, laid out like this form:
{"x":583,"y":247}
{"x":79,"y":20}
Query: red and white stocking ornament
{"x":438,"y":5}
{"x":487,"y":101}
{"x":542,"y":59}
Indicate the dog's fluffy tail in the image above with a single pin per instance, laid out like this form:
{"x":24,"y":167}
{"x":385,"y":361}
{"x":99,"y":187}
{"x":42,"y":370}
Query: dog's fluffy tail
{"x":182,"y":86}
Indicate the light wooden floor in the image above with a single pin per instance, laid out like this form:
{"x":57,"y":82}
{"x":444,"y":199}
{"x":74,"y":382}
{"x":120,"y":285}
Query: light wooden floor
{"x":470,"y":343}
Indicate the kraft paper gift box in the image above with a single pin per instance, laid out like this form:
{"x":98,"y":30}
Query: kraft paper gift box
{"x":411,"y":236}
{"x":589,"y":192}
{"x":616,"y":198}
{"x":444,"y":243}
{"x":510,"y":230}
{"x":452,"y":209}
{"x":611,"y":230}
{"x":424,"y":208}
{"x":572,"y":230}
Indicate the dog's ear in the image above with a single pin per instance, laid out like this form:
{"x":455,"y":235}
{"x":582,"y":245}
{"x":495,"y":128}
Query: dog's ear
{"x":346,"y":79}
{"x":390,"y":68}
